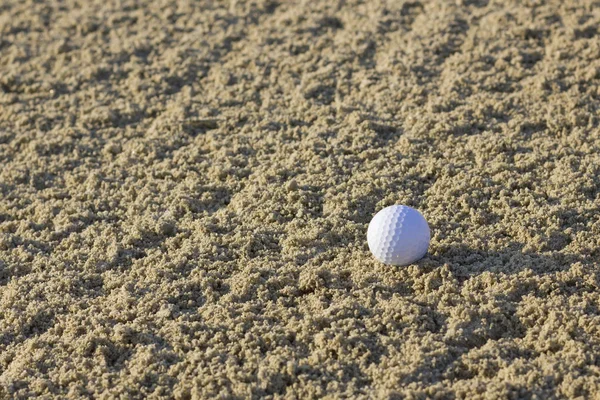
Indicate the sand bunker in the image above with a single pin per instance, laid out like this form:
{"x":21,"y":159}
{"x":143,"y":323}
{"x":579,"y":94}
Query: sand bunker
{"x":185,"y":188}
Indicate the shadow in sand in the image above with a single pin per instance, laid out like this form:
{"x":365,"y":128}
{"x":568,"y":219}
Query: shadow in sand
{"x":466,"y":261}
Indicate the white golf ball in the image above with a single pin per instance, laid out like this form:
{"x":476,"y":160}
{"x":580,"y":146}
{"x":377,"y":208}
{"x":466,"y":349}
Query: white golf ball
{"x":398,"y":235}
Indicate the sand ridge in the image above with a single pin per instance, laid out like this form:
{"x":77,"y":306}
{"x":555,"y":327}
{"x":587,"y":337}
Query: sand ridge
{"x":186,"y":186}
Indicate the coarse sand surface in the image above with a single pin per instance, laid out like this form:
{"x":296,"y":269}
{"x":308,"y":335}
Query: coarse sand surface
{"x":185,"y":189}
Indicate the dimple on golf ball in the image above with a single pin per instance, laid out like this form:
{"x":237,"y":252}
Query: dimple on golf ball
{"x":398,"y":235}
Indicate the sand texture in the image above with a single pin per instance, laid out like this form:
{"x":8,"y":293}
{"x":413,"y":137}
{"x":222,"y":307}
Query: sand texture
{"x":185,"y":189}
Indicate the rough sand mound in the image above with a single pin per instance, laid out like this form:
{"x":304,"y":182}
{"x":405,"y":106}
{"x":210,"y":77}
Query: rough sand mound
{"x":186,"y":186}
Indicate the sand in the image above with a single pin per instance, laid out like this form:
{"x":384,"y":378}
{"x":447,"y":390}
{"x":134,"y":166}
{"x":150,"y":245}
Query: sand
{"x":185,"y":190}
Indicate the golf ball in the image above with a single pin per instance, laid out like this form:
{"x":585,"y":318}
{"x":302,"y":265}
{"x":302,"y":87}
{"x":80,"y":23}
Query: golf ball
{"x":398,"y":235}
